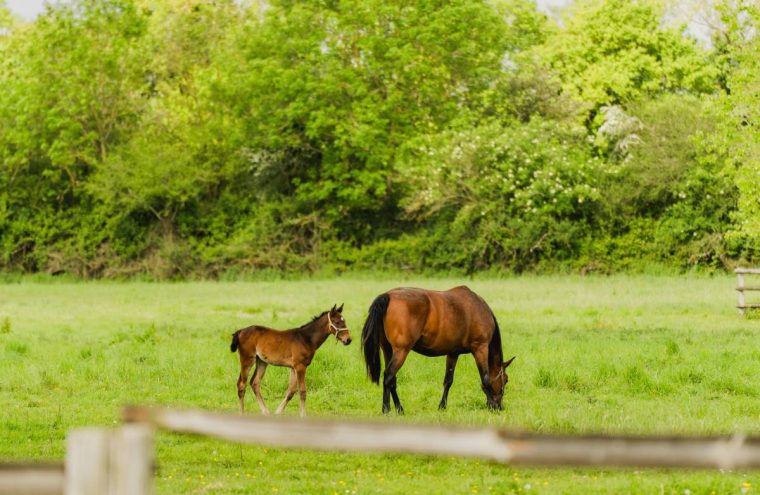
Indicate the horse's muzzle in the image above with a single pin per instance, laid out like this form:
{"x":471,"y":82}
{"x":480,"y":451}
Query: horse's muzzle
{"x":347,"y":341}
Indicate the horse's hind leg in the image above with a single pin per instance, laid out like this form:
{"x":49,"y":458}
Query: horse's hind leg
{"x":258,"y":375}
{"x":451,"y":364}
{"x":245,"y":367}
{"x":394,"y":360}
{"x":292,"y":386}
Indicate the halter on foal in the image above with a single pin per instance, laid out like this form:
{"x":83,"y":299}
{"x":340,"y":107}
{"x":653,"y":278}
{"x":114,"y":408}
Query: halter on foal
{"x":433,"y":323}
{"x":293,"y":348}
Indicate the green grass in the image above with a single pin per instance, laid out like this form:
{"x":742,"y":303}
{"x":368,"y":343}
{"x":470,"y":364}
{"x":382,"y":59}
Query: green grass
{"x":623,"y":354}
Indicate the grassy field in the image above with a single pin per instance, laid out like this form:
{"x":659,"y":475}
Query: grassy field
{"x":623,"y":354}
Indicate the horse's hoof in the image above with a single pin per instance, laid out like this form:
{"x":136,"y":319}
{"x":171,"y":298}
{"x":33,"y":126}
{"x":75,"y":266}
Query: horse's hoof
{"x":400,"y":411}
{"x":441,"y":407}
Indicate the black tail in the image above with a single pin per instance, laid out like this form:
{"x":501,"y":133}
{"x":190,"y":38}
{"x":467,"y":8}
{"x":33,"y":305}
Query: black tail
{"x":373,"y":327}
{"x":235,"y":341}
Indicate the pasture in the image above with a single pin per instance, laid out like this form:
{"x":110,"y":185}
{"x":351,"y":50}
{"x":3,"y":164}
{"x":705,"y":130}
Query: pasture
{"x":621,"y":354}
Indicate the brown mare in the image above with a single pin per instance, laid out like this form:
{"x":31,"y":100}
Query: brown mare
{"x":433,"y":323}
{"x":292,"y":348}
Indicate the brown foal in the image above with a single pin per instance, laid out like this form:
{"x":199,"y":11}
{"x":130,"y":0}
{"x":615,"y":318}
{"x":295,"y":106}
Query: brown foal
{"x":293,"y":348}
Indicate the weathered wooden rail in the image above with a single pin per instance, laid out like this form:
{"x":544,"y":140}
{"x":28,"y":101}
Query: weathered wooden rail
{"x":487,"y":443}
{"x":121,"y":461}
{"x":743,"y":306}
{"x":31,"y":479}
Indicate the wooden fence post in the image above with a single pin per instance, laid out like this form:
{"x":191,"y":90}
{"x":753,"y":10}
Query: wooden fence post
{"x":87,"y":452}
{"x":132,"y":461}
{"x":743,"y":306}
{"x":110,"y":462}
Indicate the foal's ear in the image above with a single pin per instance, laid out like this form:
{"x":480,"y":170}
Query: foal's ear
{"x":332,"y":310}
{"x":508,"y":362}
{"x":340,"y":309}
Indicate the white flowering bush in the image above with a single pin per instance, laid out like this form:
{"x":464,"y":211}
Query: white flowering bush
{"x":515,"y":195}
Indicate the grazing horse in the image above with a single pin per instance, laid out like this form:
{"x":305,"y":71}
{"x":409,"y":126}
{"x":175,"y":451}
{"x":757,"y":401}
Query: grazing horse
{"x":433,"y":323}
{"x":293,"y":348}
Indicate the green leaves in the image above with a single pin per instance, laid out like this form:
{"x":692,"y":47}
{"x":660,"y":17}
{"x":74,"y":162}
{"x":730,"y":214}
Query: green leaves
{"x":616,"y":51}
{"x":190,"y":136}
{"x":508,"y":188}
{"x":743,"y":122}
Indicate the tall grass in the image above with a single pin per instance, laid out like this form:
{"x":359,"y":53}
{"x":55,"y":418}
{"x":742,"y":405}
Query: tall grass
{"x":623,"y":354}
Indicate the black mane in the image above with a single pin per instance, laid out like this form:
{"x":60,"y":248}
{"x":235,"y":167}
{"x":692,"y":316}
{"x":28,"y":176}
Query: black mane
{"x":313,"y":319}
{"x":320,"y":315}
{"x":495,"y":353}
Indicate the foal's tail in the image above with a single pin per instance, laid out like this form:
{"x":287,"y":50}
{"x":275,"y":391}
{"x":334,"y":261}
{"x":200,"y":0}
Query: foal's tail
{"x":373,"y":327}
{"x":235,"y":341}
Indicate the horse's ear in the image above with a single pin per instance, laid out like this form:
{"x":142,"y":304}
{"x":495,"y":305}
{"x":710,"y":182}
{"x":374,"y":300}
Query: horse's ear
{"x":332,"y":310}
{"x":508,"y":362}
{"x":340,"y":309}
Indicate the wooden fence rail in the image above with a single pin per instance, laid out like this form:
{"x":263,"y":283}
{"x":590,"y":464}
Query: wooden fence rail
{"x":742,"y":305}
{"x":120,"y":462}
{"x":31,"y":479}
{"x":478,"y":442}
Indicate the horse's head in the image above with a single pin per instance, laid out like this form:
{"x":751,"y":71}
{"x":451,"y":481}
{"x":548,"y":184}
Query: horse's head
{"x":337,"y":325}
{"x":498,"y":380}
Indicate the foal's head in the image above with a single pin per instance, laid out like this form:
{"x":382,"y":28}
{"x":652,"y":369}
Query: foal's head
{"x":337,"y":325}
{"x":498,"y":380}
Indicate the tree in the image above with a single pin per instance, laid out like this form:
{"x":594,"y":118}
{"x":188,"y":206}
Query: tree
{"x":71,"y":92}
{"x":511,"y":195}
{"x":6,"y":18}
{"x":330,"y":92}
{"x":616,"y":51}
{"x":743,"y":114}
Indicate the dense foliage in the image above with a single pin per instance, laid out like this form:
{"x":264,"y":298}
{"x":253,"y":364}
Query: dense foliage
{"x":194,"y":138}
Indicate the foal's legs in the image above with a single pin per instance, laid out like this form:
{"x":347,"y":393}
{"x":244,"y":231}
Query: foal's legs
{"x":290,"y":393}
{"x":245,"y":367}
{"x":392,"y":365}
{"x":258,"y":375}
{"x":451,"y":364}
{"x":301,"y":377}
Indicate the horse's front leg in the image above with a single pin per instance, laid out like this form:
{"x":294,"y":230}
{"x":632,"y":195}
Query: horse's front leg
{"x":451,"y":364}
{"x":301,"y":378}
{"x":481,"y":360}
{"x":292,"y":385}
{"x":398,"y":356}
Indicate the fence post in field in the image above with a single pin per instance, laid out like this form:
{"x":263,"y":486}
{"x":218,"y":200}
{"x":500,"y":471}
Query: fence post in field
{"x":131,"y":469}
{"x":87,"y":452}
{"x":109,"y":462}
{"x":741,"y":287}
